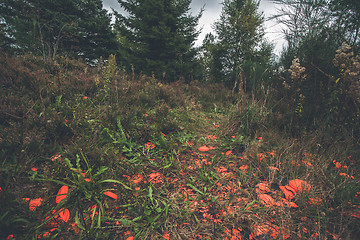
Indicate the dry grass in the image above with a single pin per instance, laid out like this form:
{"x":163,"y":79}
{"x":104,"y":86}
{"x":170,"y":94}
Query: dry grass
{"x":235,"y":190}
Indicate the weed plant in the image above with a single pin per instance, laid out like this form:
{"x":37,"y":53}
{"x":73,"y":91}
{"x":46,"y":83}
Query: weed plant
{"x":96,"y":153}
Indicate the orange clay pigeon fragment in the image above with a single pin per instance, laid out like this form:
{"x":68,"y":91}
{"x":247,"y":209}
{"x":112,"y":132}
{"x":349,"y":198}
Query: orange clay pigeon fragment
{"x":34,"y":203}
{"x":293,"y":205}
{"x":244,"y":167}
{"x":149,"y":145}
{"x":62,"y":194}
{"x":288,"y":191}
{"x":166,"y":236}
{"x":337,"y":164}
{"x":264,"y":228}
{"x":111,"y":194}
{"x":262,"y":188}
{"x":266,"y":200}
{"x":137,"y":178}
{"x":203,"y":149}
{"x":65,"y":215}
{"x":284,"y":201}
{"x":259,"y":230}
{"x":299,"y":185}
{"x":156,"y":178}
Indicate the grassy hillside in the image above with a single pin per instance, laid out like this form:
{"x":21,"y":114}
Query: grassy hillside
{"x":96,"y":153}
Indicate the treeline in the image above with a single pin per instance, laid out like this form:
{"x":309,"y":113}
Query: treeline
{"x":153,"y":37}
{"x":73,"y":28}
{"x":315,"y":82}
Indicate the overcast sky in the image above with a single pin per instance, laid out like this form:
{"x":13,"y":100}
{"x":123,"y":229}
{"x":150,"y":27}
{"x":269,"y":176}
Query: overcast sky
{"x":212,"y":12}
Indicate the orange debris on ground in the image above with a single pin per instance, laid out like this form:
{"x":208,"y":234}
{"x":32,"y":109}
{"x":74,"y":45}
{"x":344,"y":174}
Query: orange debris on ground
{"x":267,"y":200}
{"x":55,"y":158}
{"x":299,"y":185}
{"x":110,"y":194}
{"x":203,"y":149}
{"x":156,"y":178}
{"x":262,"y":188}
{"x":149,"y":145}
{"x":288,"y":191}
{"x":62,"y":193}
{"x":33,"y":203}
{"x":65,"y":215}
{"x":244,"y":167}
{"x":211,"y":137}
{"x":136,"y":178}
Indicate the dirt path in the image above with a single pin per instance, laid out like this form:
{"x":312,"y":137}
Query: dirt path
{"x":215,"y":193}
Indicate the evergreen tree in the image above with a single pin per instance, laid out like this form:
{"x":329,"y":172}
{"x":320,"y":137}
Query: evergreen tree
{"x":17,"y":25}
{"x":347,"y":21}
{"x":157,"y":37}
{"x":75,"y":27}
{"x":210,"y":56}
{"x":95,"y":35}
{"x":240,"y":33}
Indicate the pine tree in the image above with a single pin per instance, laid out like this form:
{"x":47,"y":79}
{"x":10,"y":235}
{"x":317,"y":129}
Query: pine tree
{"x":157,"y":37}
{"x":239,"y":32}
{"x":95,"y":36}
{"x":347,"y":21}
{"x":210,"y":56}
{"x":73,"y":27}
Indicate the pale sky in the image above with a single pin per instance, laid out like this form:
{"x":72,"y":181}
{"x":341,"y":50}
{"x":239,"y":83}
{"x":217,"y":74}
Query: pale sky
{"x":212,"y":11}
